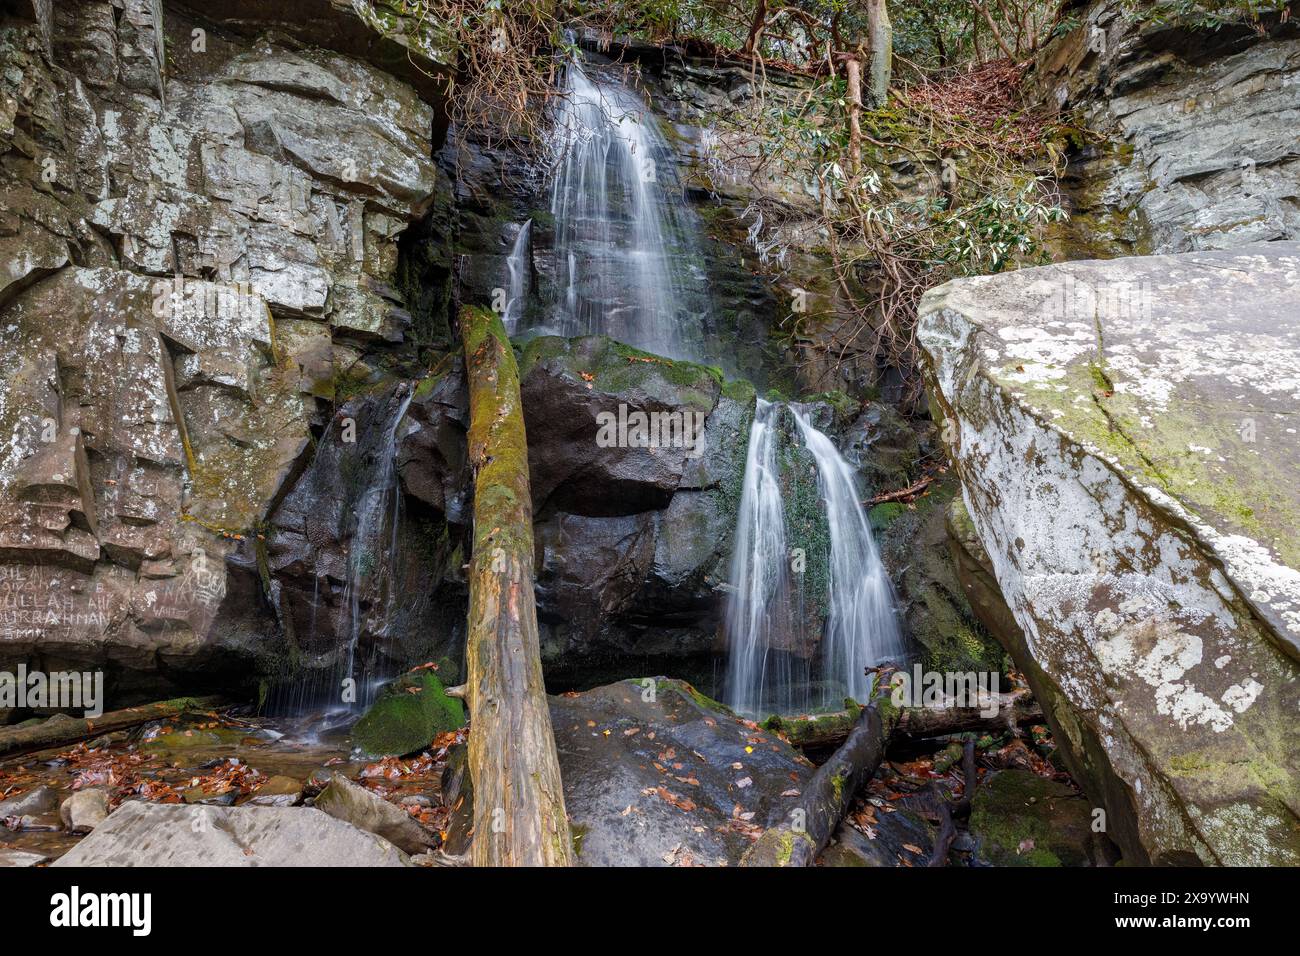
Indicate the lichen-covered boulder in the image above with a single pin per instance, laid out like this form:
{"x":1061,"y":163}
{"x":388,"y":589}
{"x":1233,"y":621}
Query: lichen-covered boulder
{"x":1122,"y":432}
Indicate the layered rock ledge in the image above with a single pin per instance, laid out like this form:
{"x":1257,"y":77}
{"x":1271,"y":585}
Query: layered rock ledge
{"x":1126,"y":440}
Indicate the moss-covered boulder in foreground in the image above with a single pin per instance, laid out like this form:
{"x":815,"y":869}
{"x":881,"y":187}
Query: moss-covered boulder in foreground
{"x":409,"y":713}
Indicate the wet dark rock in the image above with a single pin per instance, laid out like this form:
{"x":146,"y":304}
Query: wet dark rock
{"x":657,"y":774}
{"x":884,"y":446}
{"x":356,"y":805}
{"x":410,"y":601}
{"x":945,"y":632}
{"x":633,"y":543}
{"x":894,"y":837}
{"x":431,"y":456}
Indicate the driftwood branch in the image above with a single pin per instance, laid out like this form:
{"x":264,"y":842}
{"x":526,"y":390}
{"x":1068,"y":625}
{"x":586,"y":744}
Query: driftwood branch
{"x":826,"y":798}
{"x":61,"y":730}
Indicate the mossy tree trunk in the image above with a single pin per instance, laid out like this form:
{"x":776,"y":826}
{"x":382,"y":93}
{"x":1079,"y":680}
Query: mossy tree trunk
{"x":519,"y":817}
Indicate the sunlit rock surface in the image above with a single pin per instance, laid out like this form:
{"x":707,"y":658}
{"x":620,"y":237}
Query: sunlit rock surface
{"x":1128,"y":452}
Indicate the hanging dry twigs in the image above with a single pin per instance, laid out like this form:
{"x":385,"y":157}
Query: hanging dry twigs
{"x":984,"y":169}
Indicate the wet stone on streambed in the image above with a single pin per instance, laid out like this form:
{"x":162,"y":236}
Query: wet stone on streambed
{"x":51,"y":800}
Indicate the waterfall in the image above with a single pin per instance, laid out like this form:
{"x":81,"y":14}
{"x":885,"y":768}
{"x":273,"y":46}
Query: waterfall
{"x":758,"y":608}
{"x":778,"y":660}
{"x":372,"y":555}
{"x":519,"y":266}
{"x":353,"y":533}
{"x":622,"y":253}
{"x":862,"y":624}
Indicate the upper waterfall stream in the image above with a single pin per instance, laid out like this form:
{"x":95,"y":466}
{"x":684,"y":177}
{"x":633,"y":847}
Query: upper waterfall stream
{"x":624,"y":242}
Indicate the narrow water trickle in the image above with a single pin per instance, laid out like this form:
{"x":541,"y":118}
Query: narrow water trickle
{"x":783,"y":585}
{"x":366,"y":529}
{"x":372,"y":560}
{"x":518,"y":264}
{"x":623,"y":247}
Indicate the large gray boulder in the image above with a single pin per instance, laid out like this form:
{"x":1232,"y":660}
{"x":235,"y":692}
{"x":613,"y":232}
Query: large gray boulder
{"x":354,"y":804}
{"x":1123,"y":434}
{"x":157,"y":834}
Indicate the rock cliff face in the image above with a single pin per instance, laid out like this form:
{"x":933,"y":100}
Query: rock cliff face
{"x":200,"y":209}
{"x":1190,"y":134}
{"x":1121,"y":431}
{"x":633,"y":542}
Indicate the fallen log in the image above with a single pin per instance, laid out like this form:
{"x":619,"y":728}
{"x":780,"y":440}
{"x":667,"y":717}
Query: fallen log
{"x":828,"y":730}
{"x":61,"y":730}
{"x":519,"y":816}
{"x":949,"y":810}
{"x":826,"y":798}
{"x":1013,"y":710}
{"x":902,"y":494}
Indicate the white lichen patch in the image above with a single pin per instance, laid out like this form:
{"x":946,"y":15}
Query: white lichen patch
{"x":1135,"y":604}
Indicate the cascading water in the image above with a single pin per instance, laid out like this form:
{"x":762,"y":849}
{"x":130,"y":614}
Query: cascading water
{"x":762,"y":677}
{"x":372,"y":560}
{"x":354,"y":540}
{"x":519,"y":267}
{"x":774,"y":664}
{"x":862,"y":624}
{"x":623,"y":249}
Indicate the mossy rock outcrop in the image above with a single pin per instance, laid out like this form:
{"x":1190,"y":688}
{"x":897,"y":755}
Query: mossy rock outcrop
{"x":409,"y":713}
{"x":1021,"y":819}
{"x":633,"y":541}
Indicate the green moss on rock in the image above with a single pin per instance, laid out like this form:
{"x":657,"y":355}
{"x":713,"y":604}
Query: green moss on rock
{"x":1021,"y":819}
{"x":409,"y":713}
